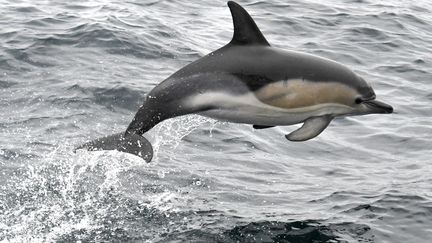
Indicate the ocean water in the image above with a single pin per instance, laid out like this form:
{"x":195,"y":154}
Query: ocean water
{"x":73,"y":71}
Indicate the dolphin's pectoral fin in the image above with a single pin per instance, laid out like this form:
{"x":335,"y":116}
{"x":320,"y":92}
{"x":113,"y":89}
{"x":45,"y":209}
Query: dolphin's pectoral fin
{"x":129,"y":143}
{"x":310,"y":129}
{"x":261,"y":127}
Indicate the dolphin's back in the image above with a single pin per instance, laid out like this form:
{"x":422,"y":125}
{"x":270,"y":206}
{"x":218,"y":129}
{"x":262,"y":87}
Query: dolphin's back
{"x":258,"y":66}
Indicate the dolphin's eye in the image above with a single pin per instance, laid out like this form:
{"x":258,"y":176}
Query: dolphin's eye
{"x":358,"y":100}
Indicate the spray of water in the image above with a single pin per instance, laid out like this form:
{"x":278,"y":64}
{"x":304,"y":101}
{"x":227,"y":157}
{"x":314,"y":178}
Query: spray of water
{"x":169,"y":133}
{"x":65,"y":194}
{"x":62,"y":194}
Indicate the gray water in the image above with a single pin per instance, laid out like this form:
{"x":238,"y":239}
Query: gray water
{"x":75,"y":70}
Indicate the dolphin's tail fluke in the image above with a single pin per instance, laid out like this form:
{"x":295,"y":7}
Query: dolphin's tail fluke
{"x":129,"y":143}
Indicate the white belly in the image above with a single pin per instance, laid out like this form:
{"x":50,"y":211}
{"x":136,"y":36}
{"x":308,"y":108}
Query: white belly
{"x":248,"y":109}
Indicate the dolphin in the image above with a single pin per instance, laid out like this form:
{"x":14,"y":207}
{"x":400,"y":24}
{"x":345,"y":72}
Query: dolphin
{"x":249,"y":81}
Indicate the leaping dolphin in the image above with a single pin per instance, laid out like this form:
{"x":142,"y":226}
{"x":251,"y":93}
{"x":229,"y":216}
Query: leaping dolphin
{"x":248,"y":81}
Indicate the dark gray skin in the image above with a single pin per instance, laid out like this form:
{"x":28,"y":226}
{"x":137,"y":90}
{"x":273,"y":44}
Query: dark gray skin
{"x":246,"y":64}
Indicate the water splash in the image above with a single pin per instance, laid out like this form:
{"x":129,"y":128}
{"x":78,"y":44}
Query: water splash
{"x":169,"y":133}
{"x":67,"y":194}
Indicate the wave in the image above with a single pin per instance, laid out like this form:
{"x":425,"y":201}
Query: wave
{"x":113,"y":97}
{"x":107,"y":38}
{"x":298,"y":232}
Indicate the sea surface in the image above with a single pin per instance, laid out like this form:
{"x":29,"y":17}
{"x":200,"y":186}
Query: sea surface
{"x":71,"y":71}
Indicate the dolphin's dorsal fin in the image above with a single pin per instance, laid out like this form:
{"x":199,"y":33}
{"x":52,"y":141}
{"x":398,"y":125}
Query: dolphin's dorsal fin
{"x":246,"y":32}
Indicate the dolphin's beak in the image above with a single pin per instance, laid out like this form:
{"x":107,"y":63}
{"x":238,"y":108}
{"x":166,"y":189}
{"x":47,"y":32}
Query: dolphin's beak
{"x":376,"y":106}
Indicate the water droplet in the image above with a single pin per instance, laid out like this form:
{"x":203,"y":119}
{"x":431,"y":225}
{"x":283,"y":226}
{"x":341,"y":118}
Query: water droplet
{"x":161,"y":174}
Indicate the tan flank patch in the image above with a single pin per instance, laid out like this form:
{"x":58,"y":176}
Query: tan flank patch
{"x":298,"y":93}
